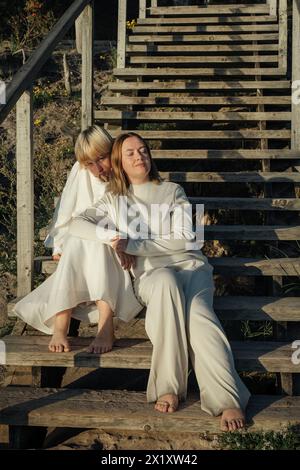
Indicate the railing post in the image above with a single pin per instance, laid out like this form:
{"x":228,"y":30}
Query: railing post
{"x":122,"y":16}
{"x":273,"y":7}
{"x":25,"y":198}
{"x":87,"y":91}
{"x":143,"y":5}
{"x":153,"y":3}
{"x":283,"y":34}
{"x":295,"y":142}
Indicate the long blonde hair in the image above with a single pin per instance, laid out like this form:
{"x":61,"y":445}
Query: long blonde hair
{"x":91,"y":143}
{"x":119,"y":183}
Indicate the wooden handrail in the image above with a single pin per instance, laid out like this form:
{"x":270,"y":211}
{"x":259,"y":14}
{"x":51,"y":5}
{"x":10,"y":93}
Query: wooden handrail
{"x":26,"y":75}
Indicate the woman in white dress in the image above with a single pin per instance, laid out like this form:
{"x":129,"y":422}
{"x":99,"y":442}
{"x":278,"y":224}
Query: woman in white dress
{"x":90,"y":283}
{"x":172,"y":278}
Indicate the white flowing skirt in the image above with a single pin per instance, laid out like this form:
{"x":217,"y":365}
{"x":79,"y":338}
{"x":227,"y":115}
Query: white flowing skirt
{"x":87,"y":271}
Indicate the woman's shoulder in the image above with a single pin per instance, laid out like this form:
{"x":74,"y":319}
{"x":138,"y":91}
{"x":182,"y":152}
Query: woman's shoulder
{"x":171,"y":187}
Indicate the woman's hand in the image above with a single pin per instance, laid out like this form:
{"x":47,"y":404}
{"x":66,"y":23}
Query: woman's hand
{"x":56,"y":257}
{"x":119,"y":245}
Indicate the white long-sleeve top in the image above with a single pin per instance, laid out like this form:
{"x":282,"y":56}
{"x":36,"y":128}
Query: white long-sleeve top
{"x":156,"y":240}
{"x":81,"y":190}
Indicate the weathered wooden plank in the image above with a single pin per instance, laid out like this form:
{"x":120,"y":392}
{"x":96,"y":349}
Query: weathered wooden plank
{"x":181,"y":38}
{"x":273,"y":7}
{"x":252,"y":232}
{"x":231,"y":177}
{"x":193,"y":100}
{"x":283,"y":34}
{"x":224,"y":266}
{"x":295,"y":139}
{"x":25,"y":196}
{"x":87,"y":94}
{"x":208,"y":10}
{"x":256,"y":204}
{"x":26,"y":75}
{"x":195,"y":85}
{"x":198,"y":72}
{"x":241,"y":134}
{"x":116,"y":115}
{"x":226,"y":154}
{"x":240,"y":48}
{"x":202,"y":60}
{"x":155,"y":29}
{"x":208,"y":20}
{"x":136,"y":353}
{"x":121,"y":44}
{"x":115,"y":410}
{"x":142,"y":8}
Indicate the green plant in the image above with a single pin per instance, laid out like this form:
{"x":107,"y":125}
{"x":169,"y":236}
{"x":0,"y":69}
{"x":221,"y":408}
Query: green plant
{"x":285,"y":439}
{"x":30,"y":25}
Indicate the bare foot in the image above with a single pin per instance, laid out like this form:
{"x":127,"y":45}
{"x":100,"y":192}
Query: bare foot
{"x":167,"y":403}
{"x":103,"y":342}
{"x":232,"y":419}
{"x":59,"y":343}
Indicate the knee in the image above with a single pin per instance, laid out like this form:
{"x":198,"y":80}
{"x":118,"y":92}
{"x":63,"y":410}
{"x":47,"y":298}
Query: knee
{"x":166,"y":280}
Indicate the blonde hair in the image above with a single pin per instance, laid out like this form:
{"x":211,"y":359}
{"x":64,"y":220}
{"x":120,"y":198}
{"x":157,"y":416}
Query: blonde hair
{"x":119,"y":183}
{"x":91,"y":143}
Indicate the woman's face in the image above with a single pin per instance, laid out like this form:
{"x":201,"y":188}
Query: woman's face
{"x":99,"y":166}
{"x":135,"y":160}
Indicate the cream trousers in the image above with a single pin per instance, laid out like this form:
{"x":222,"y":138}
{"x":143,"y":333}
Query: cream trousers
{"x":181,"y":323}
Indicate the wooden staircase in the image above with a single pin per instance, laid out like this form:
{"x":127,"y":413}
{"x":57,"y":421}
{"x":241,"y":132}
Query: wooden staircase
{"x":209,"y":87}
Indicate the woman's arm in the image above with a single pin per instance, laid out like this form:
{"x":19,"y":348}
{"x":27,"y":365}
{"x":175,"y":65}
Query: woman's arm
{"x":97,"y":223}
{"x":181,"y":237}
{"x":63,"y":212}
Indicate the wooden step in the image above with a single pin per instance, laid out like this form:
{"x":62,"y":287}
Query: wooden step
{"x":203,"y":60}
{"x":207,"y":135}
{"x":210,"y":37}
{"x":238,"y":9}
{"x":118,"y":101}
{"x":239,"y":154}
{"x":203,"y":28}
{"x":31,"y":350}
{"x":241,"y":308}
{"x":121,"y":410}
{"x":252,"y":232}
{"x":231,"y":177}
{"x":208,"y":20}
{"x":117,"y":116}
{"x":201,"y":48}
{"x":195,"y":85}
{"x":196,"y":72}
{"x":224,"y":266}
{"x":246,"y":203}
{"x":196,"y":154}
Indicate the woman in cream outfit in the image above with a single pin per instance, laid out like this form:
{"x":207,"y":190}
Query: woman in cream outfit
{"x":172,"y":278}
{"x":90,"y":278}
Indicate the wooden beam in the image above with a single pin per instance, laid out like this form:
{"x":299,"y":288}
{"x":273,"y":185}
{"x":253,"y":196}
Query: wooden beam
{"x":295,"y":142}
{"x":25,"y":202}
{"x":153,"y":3}
{"x":283,"y":35}
{"x":273,"y":7}
{"x":87,"y":23}
{"x":25,"y":76}
{"x":142,"y":9}
{"x":122,"y":15}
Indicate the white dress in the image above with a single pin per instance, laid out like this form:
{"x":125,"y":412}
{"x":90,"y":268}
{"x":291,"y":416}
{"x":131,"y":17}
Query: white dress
{"x":87,"y":271}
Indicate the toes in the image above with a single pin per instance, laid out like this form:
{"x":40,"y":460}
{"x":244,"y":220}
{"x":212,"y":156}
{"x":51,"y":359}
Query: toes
{"x":224,"y":425}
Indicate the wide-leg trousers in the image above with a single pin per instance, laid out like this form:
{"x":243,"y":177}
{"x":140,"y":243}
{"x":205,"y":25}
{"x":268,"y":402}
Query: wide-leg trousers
{"x":181,"y":323}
